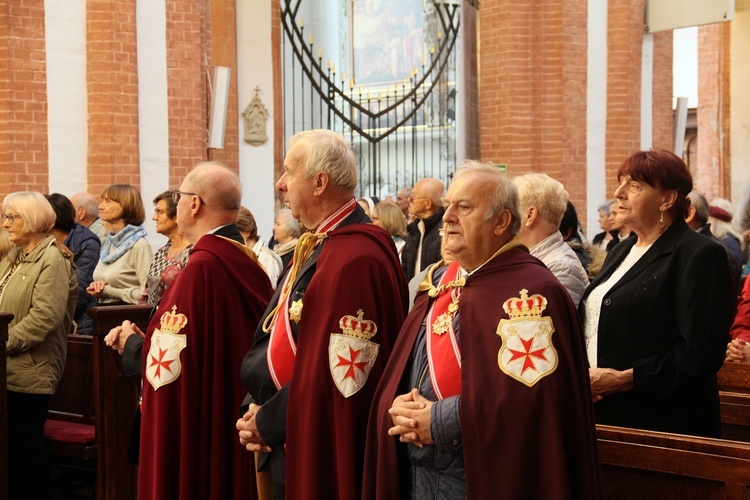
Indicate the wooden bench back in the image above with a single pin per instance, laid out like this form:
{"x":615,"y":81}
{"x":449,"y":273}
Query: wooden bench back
{"x":74,"y":399}
{"x":734,"y":394}
{"x":647,"y":464}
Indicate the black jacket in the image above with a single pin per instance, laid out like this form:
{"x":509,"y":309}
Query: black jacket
{"x":430,"y":244}
{"x":668,"y":318}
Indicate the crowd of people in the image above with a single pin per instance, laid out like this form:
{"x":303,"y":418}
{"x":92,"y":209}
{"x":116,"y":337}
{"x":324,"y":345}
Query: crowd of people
{"x":396,"y":348}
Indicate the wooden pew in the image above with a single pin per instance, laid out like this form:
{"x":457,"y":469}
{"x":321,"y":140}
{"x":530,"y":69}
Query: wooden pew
{"x":5,"y":318}
{"x":645,"y":464}
{"x":734,"y":395}
{"x":71,"y":426}
{"x":115,"y":404}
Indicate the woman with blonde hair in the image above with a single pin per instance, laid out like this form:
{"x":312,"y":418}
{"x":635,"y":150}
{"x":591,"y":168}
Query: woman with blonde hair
{"x":38,"y":286}
{"x":387,"y":215}
{"x":120,"y":276}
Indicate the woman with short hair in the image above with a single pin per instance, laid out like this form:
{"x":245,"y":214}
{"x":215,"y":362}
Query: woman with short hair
{"x":387,"y":215}
{"x":120,"y":276}
{"x":172,"y":257}
{"x":267,"y":258}
{"x":85,"y":246}
{"x":286,"y":232}
{"x":38,"y":286}
{"x":657,"y":316}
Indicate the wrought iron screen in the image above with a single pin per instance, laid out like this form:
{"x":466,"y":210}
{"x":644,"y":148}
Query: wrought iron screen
{"x":401,"y":129}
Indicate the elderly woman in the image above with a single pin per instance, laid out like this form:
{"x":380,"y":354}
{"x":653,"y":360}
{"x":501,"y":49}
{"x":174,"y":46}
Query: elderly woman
{"x":388,"y":216}
{"x":285,"y":232}
{"x":172,"y":257}
{"x":605,"y":240}
{"x":657,"y":316}
{"x":85,"y":246}
{"x":38,"y":286}
{"x":268,"y":259}
{"x":120,"y":275}
{"x":542,"y":200}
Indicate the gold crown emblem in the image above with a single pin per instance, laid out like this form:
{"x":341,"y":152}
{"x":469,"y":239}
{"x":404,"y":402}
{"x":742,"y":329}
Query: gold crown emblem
{"x":525,"y":306}
{"x":357,"y":327}
{"x":172,"y":322}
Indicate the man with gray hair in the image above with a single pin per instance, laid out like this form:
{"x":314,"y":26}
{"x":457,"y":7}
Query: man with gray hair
{"x":422,"y":246}
{"x":493,"y":338}
{"x":194,"y":346}
{"x":327,"y":333}
{"x":87,"y":213}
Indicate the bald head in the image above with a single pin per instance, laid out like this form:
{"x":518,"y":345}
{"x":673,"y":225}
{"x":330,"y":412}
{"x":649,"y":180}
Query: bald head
{"x":426,"y":198}
{"x":87,"y":208}
{"x":214,"y":202}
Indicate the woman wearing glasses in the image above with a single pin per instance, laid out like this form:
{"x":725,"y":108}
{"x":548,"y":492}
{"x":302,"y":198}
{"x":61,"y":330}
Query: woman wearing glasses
{"x":34,"y":279}
{"x":120,"y":276}
{"x":172,"y":257}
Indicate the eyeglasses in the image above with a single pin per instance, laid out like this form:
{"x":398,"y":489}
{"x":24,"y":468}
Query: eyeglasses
{"x":412,"y":198}
{"x":159,"y":213}
{"x":177,"y":194}
{"x":11,"y":218}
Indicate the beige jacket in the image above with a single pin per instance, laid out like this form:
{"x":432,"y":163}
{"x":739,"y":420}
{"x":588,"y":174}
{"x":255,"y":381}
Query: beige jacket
{"x":42,"y":295}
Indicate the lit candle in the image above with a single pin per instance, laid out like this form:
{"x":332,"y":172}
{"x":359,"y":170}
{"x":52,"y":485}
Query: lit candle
{"x":432,"y":48}
{"x":301,"y":22}
{"x":329,"y":64}
{"x":311,"y":40}
{"x":439,"y":35}
{"x":320,"y":53}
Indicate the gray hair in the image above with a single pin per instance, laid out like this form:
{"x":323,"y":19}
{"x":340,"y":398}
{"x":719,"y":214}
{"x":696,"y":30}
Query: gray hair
{"x":289,"y":222}
{"x":699,"y":202}
{"x":328,"y":152}
{"x":605,"y":207}
{"x":505,"y":196}
{"x":88,"y":202}
{"x":545,"y":193}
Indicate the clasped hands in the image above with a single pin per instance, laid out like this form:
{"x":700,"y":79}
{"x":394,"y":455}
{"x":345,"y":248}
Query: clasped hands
{"x":410,"y":414}
{"x":118,"y":335}
{"x":736,"y":351}
{"x":95,"y":289}
{"x":248,"y":429}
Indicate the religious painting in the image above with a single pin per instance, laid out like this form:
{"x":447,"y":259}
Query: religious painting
{"x":387,"y":40}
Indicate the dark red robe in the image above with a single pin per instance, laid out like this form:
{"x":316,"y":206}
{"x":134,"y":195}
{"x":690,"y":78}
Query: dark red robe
{"x":358,"y":269}
{"x":518,"y":441}
{"x":189,"y":446}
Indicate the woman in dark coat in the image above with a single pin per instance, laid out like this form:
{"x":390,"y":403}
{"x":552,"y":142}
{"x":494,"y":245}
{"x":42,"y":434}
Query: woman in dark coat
{"x":657,"y":316}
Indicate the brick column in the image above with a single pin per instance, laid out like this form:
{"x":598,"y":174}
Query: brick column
{"x":224,"y":53}
{"x":712,"y":174}
{"x":278,"y":94}
{"x":23,"y":98}
{"x":112,"y":83}
{"x":532,"y":91}
{"x":187,"y":87}
{"x":663,"y":114}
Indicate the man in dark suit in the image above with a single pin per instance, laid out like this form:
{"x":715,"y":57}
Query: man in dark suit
{"x":327,"y":333}
{"x":422,"y":246}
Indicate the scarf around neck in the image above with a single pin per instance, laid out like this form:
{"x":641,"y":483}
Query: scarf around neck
{"x":116,"y":245}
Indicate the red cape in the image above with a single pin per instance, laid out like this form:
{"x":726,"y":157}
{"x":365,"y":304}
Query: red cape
{"x":189,"y":445}
{"x":358,"y":269}
{"x":518,"y":441}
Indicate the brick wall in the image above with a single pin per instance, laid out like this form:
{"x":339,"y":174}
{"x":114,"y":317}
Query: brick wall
{"x":187,"y":85}
{"x":711,"y":174}
{"x":23,"y":97}
{"x":112,"y":84}
{"x":223,"y":24}
{"x":533,"y":88}
{"x":278,"y":106}
{"x":663,"y":115}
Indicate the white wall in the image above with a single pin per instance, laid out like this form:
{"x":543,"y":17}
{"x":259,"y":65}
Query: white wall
{"x":153,"y":116}
{"x":65,"y":32}
{"x":740,"y":114}
{"x":255,"y":68}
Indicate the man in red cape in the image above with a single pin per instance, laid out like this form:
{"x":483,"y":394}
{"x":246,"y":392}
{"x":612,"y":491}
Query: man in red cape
{"x":489,"y":372}
{"x":327,"y":333}
{"x":193,"y":350}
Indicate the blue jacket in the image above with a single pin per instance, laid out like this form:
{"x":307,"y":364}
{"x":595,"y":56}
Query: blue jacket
{"x":85,"y":246}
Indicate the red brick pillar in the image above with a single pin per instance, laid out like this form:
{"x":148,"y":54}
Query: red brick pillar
{"x":532,"y":92}
{"x":188,"y":49}
{"x":112,"y":83}
{"x":23,"y":97}
{"x":278,"y":94}
{"x":224,"y":53}
{"x":712,"y":173}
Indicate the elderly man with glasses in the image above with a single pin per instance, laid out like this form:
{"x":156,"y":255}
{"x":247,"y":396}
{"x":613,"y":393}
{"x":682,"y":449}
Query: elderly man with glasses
{"x":194,"y":346}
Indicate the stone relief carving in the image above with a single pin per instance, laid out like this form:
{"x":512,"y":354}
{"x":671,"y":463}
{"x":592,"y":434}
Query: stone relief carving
{"x":255,"y":117}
